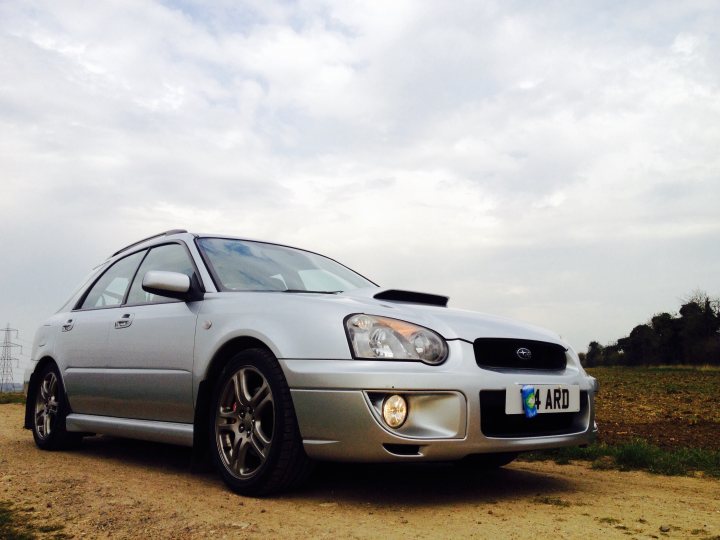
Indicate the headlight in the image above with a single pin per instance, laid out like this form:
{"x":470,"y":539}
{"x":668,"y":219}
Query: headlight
{"x":374,"y":337}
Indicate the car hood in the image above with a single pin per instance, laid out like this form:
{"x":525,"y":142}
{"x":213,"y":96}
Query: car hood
{"x":450,"y":323}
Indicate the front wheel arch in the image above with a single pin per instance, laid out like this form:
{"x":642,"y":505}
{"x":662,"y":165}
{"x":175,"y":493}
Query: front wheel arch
{"x":234,"y":418}
{"x":201,"y":424}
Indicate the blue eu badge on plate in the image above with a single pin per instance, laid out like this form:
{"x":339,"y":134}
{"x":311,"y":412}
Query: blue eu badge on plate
{"x":528,"y":400}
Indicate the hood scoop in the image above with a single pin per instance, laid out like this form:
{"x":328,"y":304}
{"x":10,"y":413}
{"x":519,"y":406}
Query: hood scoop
{"x":410,"y":297}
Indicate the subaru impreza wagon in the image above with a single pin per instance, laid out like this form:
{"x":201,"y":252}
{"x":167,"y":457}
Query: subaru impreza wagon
{"x":268,"y":357}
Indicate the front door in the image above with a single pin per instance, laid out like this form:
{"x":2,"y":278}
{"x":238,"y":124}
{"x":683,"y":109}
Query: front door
{"x":151,"y":346}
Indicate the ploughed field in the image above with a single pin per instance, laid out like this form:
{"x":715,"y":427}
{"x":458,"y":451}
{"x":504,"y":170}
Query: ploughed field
{"x":668,"y":407}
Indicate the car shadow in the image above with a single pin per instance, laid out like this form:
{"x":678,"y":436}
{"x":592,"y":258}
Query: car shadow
{"x":142,"y":453}
{"x":427,"y":484}
{"x":390,"y":485}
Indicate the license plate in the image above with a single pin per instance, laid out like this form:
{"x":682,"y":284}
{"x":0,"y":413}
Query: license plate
{"x":549,"y":398}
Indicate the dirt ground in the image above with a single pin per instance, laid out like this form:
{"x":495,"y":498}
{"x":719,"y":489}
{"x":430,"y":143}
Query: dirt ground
{"x":114,"y":488}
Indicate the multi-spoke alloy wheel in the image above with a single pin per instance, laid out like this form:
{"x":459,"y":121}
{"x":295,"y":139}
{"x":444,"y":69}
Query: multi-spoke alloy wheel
{"x":245,"y":422}
{"x":46,"y":406}
{"x":255,"y":440}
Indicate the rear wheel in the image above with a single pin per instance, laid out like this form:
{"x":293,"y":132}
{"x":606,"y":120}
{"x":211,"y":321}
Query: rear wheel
{"x":49,"y":412}
{"x":255,"y":441}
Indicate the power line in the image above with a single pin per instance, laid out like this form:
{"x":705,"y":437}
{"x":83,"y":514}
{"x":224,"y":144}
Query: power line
{"x":7,"y":382}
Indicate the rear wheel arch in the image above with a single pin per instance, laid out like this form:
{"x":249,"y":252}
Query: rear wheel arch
{"x":47,"y":407}
{"x":32,"y":386}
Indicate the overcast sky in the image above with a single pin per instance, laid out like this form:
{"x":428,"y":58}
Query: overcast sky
{"x":557,"y":162}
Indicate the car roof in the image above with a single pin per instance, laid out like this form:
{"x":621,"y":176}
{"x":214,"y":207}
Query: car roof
{"x":171,"y":232}
{"x":155,"y":238}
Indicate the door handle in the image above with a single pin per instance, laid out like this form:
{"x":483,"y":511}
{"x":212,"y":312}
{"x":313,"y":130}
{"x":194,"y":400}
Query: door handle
{"x":124,"y":321}
{"x":68,"y":325}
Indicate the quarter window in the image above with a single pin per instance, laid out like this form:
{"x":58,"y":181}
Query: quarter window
{"x":110,"y":289}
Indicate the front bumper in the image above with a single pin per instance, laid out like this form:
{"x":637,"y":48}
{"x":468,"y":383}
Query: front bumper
{"x":336,"y":407}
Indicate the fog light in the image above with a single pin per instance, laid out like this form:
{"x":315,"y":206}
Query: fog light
{"x":394,"y":411}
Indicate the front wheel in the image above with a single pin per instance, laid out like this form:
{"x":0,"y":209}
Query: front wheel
{"x":255,"y":441}
{"x":49,"y":412}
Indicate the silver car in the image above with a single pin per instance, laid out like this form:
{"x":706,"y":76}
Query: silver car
{"x":268,"y":357}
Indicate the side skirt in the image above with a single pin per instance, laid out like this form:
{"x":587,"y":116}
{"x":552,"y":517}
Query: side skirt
{"x":147,"y":430}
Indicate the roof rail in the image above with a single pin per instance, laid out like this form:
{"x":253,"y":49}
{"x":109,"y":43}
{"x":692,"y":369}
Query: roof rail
{"x":166,"y":233}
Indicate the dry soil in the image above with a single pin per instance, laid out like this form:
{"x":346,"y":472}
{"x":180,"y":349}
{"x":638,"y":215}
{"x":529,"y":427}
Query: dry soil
{"x":114,"y":488}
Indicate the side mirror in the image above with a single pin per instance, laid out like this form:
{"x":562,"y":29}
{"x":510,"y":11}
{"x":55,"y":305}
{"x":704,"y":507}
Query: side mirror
{"x":170,"y":284}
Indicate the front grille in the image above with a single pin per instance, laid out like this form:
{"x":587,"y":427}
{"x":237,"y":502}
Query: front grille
{"x":495,"y":423}
{"x":503,"y":353}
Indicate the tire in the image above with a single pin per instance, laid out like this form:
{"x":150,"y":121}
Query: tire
{"x":255,"y":442}
{"x":487,"y":461}
{"x":49,"y":412}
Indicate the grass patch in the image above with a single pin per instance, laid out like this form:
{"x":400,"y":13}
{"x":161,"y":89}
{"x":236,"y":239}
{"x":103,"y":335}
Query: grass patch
{"x":14,"y":525}
{"x":10,"y":527}
{"x":11,"y":397}
{"x":554,"y":501}
{"x":50,"y":528}
{"x":637,"y":455}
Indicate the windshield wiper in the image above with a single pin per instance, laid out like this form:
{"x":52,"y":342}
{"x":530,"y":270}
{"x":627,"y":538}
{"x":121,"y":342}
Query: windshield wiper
{"x":315,"y":292}
{"x":284,"y":290}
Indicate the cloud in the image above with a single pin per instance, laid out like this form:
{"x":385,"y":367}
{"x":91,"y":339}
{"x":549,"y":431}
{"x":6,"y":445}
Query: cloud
{"x":551,"y":162}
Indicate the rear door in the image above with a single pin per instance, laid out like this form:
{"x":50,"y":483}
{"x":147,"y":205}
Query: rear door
{"x":82,"y":344}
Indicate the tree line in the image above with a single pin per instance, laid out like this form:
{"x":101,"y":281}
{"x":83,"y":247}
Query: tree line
{"x":691,"y":337}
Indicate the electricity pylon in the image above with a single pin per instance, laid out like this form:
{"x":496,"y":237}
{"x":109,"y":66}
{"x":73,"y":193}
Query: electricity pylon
{"x":7,"y":383}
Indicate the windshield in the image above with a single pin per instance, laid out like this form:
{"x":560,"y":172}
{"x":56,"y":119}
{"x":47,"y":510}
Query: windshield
{"x":240,"y":265}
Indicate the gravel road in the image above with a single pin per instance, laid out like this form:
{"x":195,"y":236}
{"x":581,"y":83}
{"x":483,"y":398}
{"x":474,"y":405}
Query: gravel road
{"x":114,"y":488}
